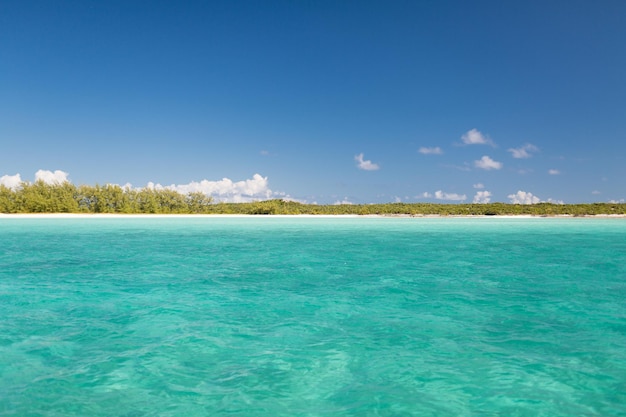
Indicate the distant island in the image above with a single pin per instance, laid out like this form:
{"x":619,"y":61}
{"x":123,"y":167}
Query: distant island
{"x":40,"y":197}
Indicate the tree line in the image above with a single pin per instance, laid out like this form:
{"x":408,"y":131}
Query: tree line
{"x":40,"y":197}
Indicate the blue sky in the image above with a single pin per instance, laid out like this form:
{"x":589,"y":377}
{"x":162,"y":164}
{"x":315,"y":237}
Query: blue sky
{"x":319,"y":101}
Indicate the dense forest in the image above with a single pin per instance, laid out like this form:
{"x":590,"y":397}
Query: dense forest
{"x":40,"y":197}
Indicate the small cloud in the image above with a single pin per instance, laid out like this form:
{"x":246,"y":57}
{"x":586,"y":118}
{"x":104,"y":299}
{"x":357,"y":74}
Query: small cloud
{"x":482,"y":197}
{"x":431,"y":151}
{"x":487,"y":163}
{"x":11,"y":181}
{"x":554,"y":172}
{"x":523,"y":197}
{"x":365,"y":165}
{"x":440,"y":195}
{"x":265,"y":153}
{"x":50,"y":177}
{"x":596,"y":192}
{"x":620,"y":201}
{"x":344,"y":201}
{"x":479,"y":186}
{"x":549,"y":200}
{"x":397,"y":200}
{"x":525,"y":151}
{"x":424,"y":195}
{"x":474,"y":137}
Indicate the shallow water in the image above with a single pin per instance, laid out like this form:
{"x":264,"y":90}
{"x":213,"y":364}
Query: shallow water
{"x":269,"y":316}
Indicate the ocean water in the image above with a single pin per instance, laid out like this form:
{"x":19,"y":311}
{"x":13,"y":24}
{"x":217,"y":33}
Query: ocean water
{"x":312,"y":316}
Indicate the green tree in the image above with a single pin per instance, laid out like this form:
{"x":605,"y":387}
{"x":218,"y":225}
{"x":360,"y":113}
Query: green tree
{"x":198,"y":202}
{"x":40,"y":197}
{"x":7,"y":200}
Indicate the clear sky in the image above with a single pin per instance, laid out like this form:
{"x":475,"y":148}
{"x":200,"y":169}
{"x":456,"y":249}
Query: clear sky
{"x":319,"y":101}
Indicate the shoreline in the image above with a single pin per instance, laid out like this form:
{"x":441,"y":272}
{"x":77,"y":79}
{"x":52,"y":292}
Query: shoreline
{"x":407,"y":216}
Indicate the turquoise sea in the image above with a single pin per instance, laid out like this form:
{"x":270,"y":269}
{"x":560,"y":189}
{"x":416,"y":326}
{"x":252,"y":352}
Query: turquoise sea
{"x":312,"y":316}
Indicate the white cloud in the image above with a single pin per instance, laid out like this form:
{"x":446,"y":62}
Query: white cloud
{"x":482,"y":197}
{"x":344,"y":201}
{"x":365,"y":165}
{"x":522,"y":197}
{"x":474,"y":137}
{"x":225,"y":189}
{"x":596,"y":192}
{"x":549,"y":200}
{"x":431,"y":151}
{"x":523,"y":152}
{"x":425,"y":194}
{"x":479,"y":186}
{"x":50,"y":177}
{"x":554,"y":172}
{"x":487,"y":163}
{"x":620,"y":201}
{"x":11,"y":181}
{"x":440,"y":195}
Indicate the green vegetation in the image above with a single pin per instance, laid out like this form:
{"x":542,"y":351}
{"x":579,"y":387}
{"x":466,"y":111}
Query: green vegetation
{"x":40,"y":197}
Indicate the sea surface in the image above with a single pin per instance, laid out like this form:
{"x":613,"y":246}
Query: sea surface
{"x":312,"y":316}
